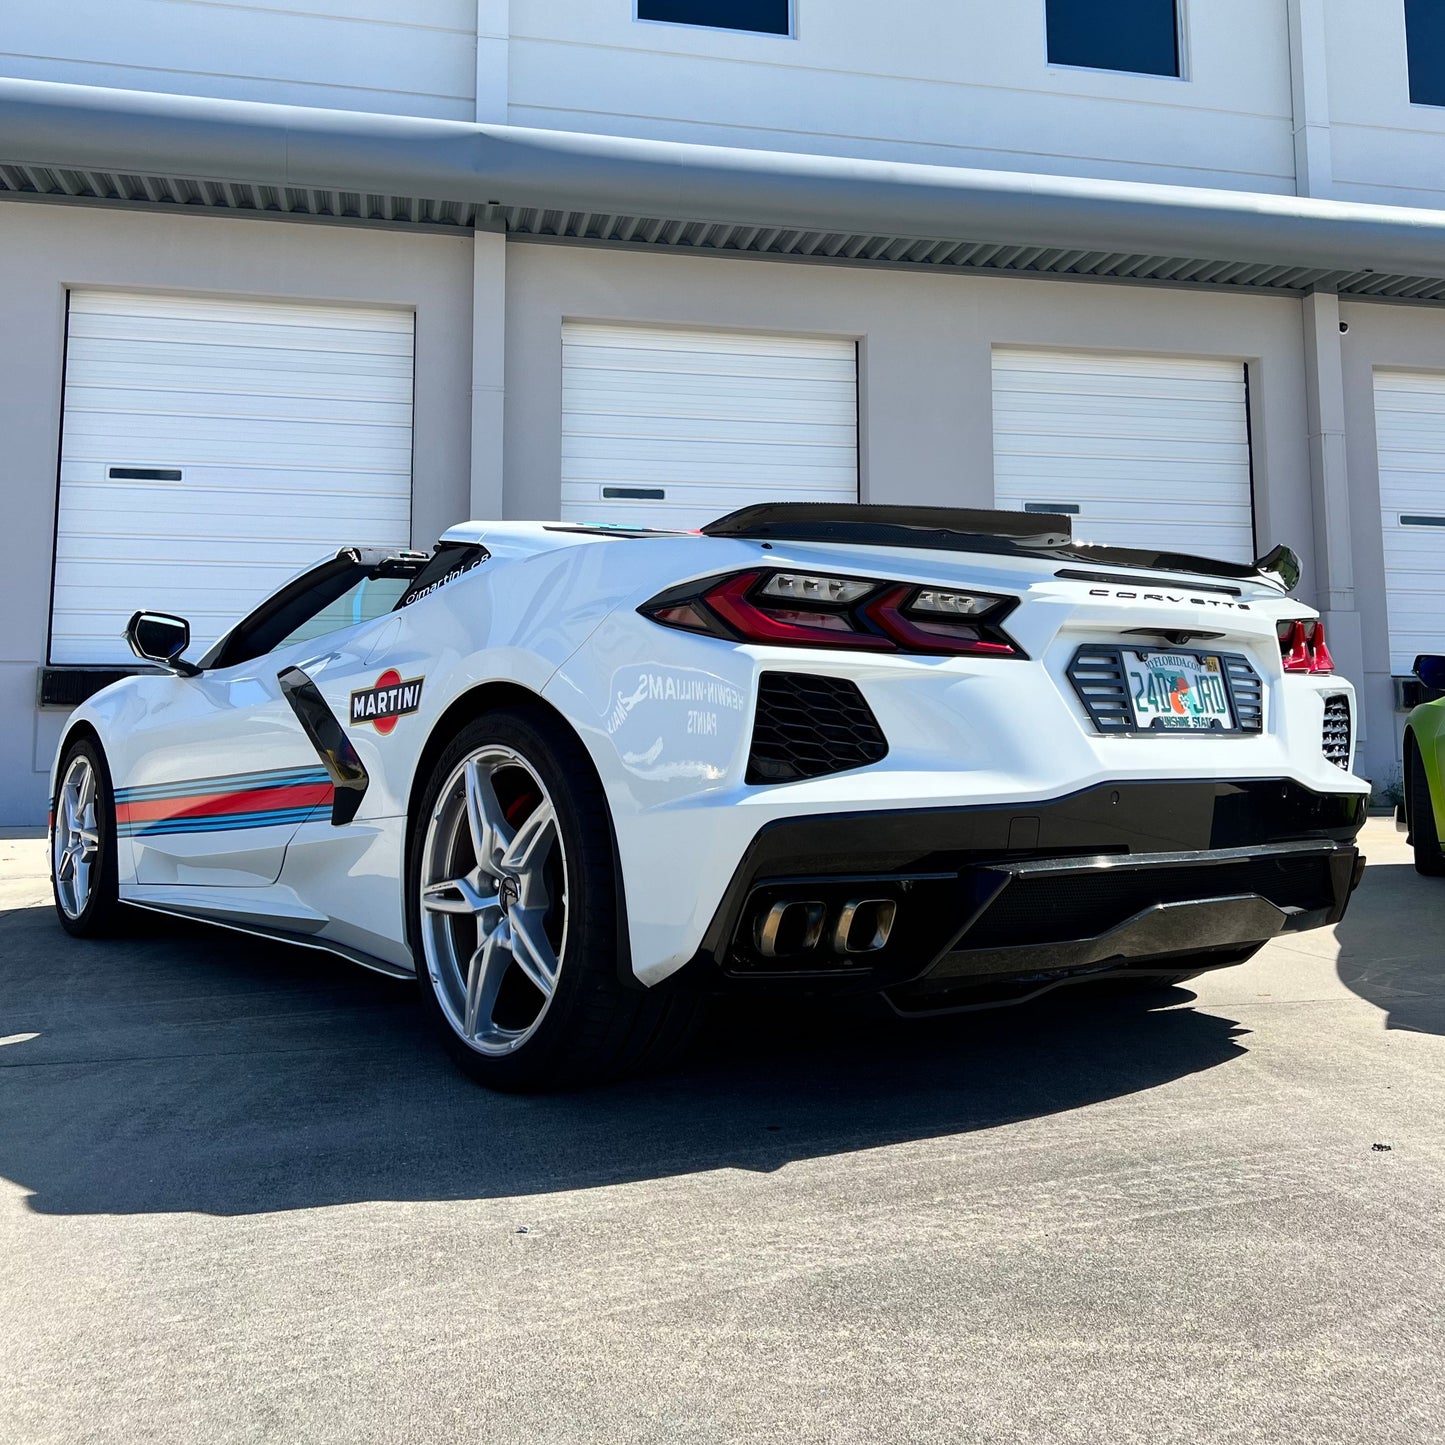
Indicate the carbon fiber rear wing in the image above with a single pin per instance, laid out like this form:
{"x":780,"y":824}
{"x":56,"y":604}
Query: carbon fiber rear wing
{"x":957,"y":529}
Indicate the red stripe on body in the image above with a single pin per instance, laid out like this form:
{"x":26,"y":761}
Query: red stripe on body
{"x":214,"y":805}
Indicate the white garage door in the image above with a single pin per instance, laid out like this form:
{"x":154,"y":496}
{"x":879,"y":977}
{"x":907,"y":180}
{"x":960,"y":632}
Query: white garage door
{"x":1410,"y":433}
{"x":211,"y":448}
{"x":672,"y":428}
{"x":1143,"y":451}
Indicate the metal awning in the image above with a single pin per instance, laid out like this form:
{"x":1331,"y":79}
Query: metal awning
{"x":91,"y":146}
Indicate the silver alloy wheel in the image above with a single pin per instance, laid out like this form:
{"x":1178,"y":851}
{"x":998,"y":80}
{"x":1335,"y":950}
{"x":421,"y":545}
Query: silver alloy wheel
{"x":75,"y":838}
{"x":493,"y":900}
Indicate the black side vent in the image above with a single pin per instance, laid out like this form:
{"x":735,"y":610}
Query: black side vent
{"x":807,"y":727}
{"x":1099,"y":679}
{"x":1247,"y":690}
{"x":1336,"y":740}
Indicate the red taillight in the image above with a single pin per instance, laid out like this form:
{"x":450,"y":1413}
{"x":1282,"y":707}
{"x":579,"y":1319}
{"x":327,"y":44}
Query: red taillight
{"x":1302,"y":646}
{"x":812,"y":610}
{"x":825,"y":627}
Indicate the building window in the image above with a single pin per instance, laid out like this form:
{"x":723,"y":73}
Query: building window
{"x":1425,"y":42}
{"x":765,"y":17}
{"x":1135,"y":35}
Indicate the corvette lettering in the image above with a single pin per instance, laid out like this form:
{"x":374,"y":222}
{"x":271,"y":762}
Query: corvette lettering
{"x":391,"y":698}
{"x":1167,"y":597}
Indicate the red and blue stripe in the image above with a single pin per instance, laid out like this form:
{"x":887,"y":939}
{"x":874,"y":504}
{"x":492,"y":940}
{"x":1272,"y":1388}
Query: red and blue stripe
{"x":277,"y":798}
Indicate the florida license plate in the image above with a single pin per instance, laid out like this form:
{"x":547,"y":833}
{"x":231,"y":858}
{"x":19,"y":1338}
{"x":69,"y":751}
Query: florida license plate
{"x":1183,"y":691}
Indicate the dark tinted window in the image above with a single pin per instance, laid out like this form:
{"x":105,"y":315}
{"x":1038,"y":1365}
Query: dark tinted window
{"x":1425,"y":40}
{"x":770,"y":17}
{"x":1137,"y":35}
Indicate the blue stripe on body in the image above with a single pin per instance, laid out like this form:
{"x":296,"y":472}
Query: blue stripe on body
{"x":220,"y":823}
{"x":232,"y":783}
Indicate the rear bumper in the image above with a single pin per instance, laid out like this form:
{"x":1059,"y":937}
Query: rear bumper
{"x":989,"y":900}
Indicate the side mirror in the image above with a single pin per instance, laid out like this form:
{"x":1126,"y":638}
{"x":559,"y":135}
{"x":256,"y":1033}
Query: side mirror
{"x":1430,"y":669}
{"x":159,"y":637}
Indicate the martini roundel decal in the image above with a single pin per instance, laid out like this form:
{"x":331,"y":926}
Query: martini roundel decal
{"x":389,"y":698}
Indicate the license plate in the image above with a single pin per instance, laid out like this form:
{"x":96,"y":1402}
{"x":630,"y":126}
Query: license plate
{"x":1178,"y":691}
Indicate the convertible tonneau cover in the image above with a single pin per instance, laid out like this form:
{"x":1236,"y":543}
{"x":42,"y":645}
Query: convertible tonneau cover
{"x":962,"y":529}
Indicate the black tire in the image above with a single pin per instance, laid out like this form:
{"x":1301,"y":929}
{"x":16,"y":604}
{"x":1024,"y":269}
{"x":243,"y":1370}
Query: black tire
{"x":594,"y":1026}
{"x":102,"y":912}
{"x":1420,"y":814}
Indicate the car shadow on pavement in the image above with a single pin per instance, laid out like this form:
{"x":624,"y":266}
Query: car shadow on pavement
{"x":1392,"y":946}
{"x":186,"y":1068}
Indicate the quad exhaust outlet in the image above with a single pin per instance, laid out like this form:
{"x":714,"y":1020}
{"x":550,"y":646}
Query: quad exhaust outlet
{"x":795,"y":927}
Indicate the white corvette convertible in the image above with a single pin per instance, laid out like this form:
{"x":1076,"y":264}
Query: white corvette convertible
{"x":575,"y":779}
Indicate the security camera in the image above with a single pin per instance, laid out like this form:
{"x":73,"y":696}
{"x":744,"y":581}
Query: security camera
{"x":1344,"y":328}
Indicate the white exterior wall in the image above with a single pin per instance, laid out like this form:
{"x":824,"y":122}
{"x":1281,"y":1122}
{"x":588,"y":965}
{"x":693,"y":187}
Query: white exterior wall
{"x":1385,"y":149}
{"x":1407,"y":338}
{"x":399,"y":57}
{"x":941,"y":83}
{"x":926,"y":346}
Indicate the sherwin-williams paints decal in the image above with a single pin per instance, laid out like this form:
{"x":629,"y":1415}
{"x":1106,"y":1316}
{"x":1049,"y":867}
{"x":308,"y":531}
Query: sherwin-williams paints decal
{"x":211,"y":805}
{"x":390,"y":699}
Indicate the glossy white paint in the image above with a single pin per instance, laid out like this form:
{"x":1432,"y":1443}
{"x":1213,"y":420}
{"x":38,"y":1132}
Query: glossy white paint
{"x":666,"y":718}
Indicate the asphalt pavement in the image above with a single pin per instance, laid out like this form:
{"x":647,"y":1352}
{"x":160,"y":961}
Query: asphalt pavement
{"x":244,"y":1197}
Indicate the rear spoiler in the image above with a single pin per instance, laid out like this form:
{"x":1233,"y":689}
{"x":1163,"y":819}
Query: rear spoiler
{"x":960,"y":529}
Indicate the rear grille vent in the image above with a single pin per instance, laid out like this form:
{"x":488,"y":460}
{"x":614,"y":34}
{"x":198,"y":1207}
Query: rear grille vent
{"x":807,"y":727}
{"x":1098,"y":678}
{"x":1247,"y":690}
{"x":1336,"y":739}
{"x":1102,"y":684}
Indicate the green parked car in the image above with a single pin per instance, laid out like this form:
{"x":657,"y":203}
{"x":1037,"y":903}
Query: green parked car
{"x":1423,"y":811}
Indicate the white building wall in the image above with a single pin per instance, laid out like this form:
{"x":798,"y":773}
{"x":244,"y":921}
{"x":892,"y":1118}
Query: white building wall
{"x":940,"y":83}
{"x":400,"y":57}
{"x":1385,"y":149}
{"x":926,"y":347}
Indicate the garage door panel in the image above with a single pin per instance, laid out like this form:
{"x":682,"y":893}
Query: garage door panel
{"x":249,"y":406}
{"x":782,"y":403}
{"x":1153,"y":451}
{"x":303,"y":344}
{"x":704,"y":431}
{"x":231,"y":515}
{"x":289,"y":422}
{"x":772,"y":474}
{"x":1410,"y":435}
{"x":711,"y":420}
{"x":249,"y":368}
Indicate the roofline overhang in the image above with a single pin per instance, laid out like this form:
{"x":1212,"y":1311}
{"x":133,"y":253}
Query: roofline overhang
{"x":87,"y":129}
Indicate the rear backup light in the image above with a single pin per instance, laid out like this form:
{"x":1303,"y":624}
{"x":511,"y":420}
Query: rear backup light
{"x":800,"y":609}
{"x":1302,"y":646}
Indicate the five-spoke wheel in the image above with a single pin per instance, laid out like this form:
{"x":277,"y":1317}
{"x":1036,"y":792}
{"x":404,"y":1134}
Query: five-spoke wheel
{"x":75,"y":841}
{"x":516,"y":916}
{"x":82,"y":842}
{"x":493,"y":899}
